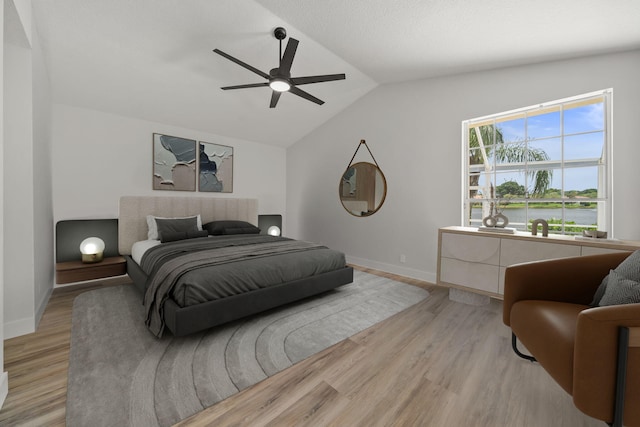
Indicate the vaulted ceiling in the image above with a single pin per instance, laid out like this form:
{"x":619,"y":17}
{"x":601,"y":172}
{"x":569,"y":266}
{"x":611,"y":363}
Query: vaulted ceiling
{"x":153,"y":59}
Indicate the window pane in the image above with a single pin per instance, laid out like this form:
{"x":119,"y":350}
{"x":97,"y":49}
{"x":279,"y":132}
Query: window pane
{"x":579,"y":217}
{"x":475,"y":156}
{"x":510,"y":185}
{"x":583,"y":119}
{"x":512,"y":130}
{"x":485,"y":181}
{"x":584,"y":146}
{"x":579,"y":180}
{"x":516,"y":213}
{"x":481,"y":134}
{"x":546,"y":149}
{"x":476,"y":214}
{"x":474,"y":179}
{"x":541,"y":178}
{"x":544,"y":125}
{"x":511,"y":153}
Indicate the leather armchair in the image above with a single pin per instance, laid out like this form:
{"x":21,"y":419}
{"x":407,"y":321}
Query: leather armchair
{"x":546,"y":304}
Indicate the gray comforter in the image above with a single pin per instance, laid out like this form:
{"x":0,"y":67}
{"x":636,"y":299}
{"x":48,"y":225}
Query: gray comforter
{"x":205,"y":269}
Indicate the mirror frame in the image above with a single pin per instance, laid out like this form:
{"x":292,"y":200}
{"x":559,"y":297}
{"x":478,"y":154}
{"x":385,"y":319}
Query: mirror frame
{"x":384,"y":193}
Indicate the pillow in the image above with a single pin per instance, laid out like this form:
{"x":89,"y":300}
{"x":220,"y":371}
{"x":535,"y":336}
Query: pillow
{"x":628,"y":269}
{"x":600,"y":291}
{"x":242,"y":230}
{"x":183,"y":235}
{"x":175,"y":225}
{"x":152,"y":234}
{"x":218,"y":228}
{"x":620,"y":290}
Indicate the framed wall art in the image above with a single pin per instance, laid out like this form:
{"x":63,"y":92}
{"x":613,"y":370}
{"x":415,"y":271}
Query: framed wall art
{"x":216,"y":168}
{"x":174,"y":163}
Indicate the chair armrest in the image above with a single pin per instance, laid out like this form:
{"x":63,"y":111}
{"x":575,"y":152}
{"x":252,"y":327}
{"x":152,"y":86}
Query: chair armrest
{"x":572,"y":280}
{"x":595,"y":360}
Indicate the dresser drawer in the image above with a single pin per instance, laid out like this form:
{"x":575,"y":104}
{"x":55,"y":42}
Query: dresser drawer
{"x":473,"y":275}
{"x":462,"y":247}
{"x":518,"y":251}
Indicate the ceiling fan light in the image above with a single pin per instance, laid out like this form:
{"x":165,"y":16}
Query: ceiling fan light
{"x":279,"y":85}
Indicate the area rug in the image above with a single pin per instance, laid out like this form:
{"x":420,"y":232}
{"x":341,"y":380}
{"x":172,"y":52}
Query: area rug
{"x":121,"y":375}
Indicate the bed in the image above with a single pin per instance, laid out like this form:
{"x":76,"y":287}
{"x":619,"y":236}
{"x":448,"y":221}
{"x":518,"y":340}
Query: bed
{"x":270,"y":271}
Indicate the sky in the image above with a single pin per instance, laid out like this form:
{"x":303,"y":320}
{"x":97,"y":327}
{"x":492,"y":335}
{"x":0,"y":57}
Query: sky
{"x":584,"y":138}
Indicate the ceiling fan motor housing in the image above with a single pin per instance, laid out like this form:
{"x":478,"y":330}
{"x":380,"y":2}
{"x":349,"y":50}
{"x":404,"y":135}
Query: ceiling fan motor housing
{"x":275,"y":72}
{"x":280,"y":33}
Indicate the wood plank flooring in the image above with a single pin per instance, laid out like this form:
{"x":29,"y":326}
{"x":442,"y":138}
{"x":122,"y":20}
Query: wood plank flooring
{"x":438,"y":363}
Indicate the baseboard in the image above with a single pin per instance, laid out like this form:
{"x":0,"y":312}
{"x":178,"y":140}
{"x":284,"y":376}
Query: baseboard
{"x":411,"y":273}
{"x":19,"y":327}
{"x":42,"y":306}
{"x":16,"y":328}
{"x":4,"y":387}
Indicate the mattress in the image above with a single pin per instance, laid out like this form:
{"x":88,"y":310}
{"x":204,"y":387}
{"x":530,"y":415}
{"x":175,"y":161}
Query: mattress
{"x":139,"y":248}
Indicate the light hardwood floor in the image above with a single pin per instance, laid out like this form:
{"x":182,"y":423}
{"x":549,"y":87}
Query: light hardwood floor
{"x":438,"y":363}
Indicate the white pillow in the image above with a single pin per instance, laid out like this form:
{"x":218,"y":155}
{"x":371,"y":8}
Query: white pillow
{"x":153,"y":225}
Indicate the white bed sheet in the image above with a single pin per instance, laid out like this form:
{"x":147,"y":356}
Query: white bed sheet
{"x":139,"y":248}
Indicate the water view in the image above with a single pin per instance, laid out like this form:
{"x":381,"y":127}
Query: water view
{"x":517,"y":217}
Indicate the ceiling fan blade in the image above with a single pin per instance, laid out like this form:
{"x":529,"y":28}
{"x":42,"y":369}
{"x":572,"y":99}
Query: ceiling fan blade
{"x":316,"y":79}
{"x":287,"y":58}
{"x":242,"y":64}
{"x":275,"y":96}
{"x":305,"y":95}
{"x":245,"y":86}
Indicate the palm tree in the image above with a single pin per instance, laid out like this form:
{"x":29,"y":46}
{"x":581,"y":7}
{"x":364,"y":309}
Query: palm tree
{"x":487,"y":141}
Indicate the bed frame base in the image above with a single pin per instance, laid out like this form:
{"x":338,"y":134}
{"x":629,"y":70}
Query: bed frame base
{"x":187,"y":320}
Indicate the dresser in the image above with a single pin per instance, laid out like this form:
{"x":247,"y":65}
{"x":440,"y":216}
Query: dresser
{"x":475,"y":261}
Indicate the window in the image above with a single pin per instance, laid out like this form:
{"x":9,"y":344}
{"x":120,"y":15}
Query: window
{"x":550,"y":162}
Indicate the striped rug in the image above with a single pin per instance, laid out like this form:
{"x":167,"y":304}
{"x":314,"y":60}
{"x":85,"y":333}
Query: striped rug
{"x":121,"y":375}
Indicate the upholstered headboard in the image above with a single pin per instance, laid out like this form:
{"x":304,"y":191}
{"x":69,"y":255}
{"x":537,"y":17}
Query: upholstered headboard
{"x":133,"y":211}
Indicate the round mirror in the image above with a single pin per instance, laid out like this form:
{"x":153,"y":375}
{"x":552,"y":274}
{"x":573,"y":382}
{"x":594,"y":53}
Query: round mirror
{"x":363,"y":189}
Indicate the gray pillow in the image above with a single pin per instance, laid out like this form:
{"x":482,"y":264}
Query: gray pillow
{"x":219,"y":228}
{"x":173,"y":225}
{"x":182,"y":235}
{"x":153,"y":226}
{"x":628,"y":269}
{"x":620,"y":290}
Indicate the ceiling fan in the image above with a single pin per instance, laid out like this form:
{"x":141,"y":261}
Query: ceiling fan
{"x":279,"y":79}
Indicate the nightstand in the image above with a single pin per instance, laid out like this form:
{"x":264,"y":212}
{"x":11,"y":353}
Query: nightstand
{"x":77,"y":271}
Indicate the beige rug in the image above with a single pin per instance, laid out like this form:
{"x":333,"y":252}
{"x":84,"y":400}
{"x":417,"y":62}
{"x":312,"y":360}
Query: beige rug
{"x":121,"y":375}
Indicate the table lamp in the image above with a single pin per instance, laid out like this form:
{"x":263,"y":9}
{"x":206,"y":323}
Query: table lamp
{"x":92,"y":249}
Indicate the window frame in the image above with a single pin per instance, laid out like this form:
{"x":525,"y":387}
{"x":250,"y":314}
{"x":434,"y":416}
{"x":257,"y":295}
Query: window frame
{"x":604,"y":203}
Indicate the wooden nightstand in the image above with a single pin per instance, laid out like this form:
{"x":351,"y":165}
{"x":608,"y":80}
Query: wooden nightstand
{"x":77,"y":271}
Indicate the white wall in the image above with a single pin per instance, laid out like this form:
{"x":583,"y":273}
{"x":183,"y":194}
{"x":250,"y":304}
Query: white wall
{"x":98,"y":157}
{"x":4,"y":378}
{"x":25,"y":207}
{"x":414,"y":132}
{"x":42,"y":189}
{"x":27,"y":210}
{"x":18,"y":192}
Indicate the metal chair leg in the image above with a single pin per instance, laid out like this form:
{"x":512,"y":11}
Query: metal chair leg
{"x":621,"y":376}
{"x":514,"y":345}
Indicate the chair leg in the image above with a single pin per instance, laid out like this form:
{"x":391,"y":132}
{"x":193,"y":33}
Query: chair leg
{"x":621,"y":376}
{"x":514,"y":345}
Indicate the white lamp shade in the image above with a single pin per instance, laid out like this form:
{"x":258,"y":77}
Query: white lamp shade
{"x":91,"y":245}
{"x":91,"y":249}
{"x":274,"y":230}
{"x":279,"y":85}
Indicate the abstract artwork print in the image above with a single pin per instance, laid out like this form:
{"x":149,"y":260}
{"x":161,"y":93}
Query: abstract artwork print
{"x":216,"y":168}
{"x":174,"y":163}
